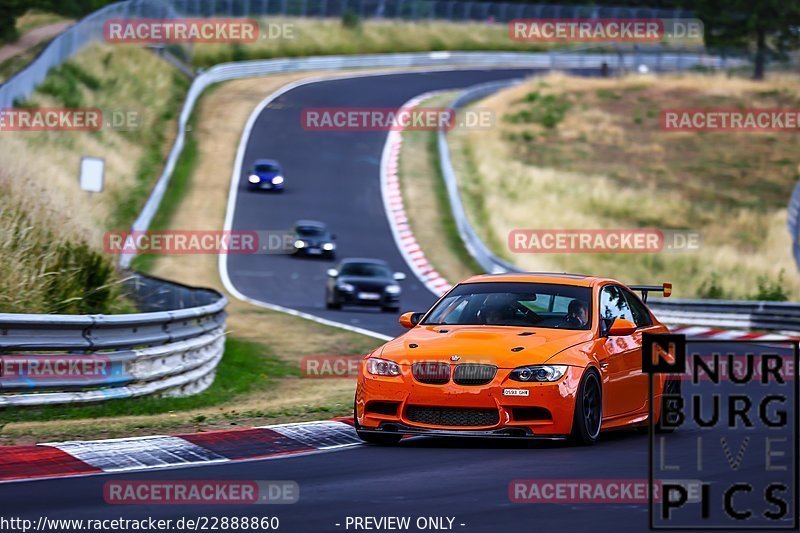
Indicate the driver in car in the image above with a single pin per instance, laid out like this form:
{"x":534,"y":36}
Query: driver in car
{"x":577,"y":314}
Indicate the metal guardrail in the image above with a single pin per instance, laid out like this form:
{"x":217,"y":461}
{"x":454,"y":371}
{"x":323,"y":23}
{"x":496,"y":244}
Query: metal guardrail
{"x":757,"y":315}
{"x":172,"y":348}
{"x":88,"y":30}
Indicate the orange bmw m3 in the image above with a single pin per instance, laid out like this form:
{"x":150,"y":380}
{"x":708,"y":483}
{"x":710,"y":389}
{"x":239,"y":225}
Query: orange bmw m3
{"x":554,"y":356}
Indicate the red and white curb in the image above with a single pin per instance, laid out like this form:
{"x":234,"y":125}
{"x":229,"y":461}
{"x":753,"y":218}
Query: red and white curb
{"x":395,"y":210}
{"x":76,"y":458}
{"x":704,"y":333}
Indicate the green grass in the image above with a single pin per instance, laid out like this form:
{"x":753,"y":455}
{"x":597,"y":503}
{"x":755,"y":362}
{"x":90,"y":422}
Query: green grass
{"x":130,"y":202}
{"x":12,"y":65}
{"x":472,"y":187}
{"x":451,"y":234}
{"x":245,"y":367}
{"x":176,"y":189}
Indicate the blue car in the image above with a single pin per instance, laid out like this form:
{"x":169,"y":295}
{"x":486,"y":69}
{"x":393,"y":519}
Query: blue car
{"x":265,"y":174}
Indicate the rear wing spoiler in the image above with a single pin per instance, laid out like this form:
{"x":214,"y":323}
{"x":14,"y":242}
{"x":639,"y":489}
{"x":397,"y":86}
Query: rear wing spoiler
{"x":665,"y":288}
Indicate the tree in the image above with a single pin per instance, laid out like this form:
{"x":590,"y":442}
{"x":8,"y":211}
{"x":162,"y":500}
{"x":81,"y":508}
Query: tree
{"x":9,"y":11}
{"x":771,"y":26}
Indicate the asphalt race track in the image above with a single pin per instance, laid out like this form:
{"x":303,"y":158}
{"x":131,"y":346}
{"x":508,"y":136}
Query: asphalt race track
{"x":333,"y":177}
{"x":466,"y":479}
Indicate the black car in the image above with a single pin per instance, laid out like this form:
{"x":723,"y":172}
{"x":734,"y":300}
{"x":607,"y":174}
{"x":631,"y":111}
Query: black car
{"x":363,"y":282}
{"x":312,"y":238}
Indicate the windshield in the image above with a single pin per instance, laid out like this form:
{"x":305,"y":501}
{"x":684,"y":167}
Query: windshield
{"x":309,"y":231}
{"x":267,"y":168}
{"x":539,"y":305}
{"x":365,"y":270}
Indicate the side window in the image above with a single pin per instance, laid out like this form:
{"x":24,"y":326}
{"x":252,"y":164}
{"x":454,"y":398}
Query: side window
{"x":614,"y":305}
{"x":640,"y":315}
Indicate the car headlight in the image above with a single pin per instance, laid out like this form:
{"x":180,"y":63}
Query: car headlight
{"x":299,"y":244}
{"x":393,"y":289}
{"x":538,"y":373}
{"x":253,"y":178}
{"x":382,"y":367}
{"x":277,"y":180}
{"x":346,"y":287}
{"x":328,"y":246}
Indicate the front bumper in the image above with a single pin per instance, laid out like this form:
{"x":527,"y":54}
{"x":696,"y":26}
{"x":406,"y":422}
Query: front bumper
{"x":536,"y":410}
{"x":265,"y":186}
{"x":356,"y":298}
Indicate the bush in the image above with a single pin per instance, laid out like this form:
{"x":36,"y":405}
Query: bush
{"x":773,"y":291}
{"x":547,"y":111}
{"x":710,"y":289}
{"x":350,"y":19}
{"x":64,"y":84}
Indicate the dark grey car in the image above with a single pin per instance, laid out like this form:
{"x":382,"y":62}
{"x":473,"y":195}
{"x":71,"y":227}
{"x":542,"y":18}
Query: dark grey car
{"x":313,"y":239}
{"x":363,"y":282}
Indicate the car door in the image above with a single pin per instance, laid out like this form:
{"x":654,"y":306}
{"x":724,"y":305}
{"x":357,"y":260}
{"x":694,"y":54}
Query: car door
{"x":644,"y":323}
{"x":625,"y":386}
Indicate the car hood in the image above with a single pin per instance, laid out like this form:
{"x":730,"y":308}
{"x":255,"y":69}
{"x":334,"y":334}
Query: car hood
{"x":482,"y":344}
{"x":267,"y":175}
{"x":366,"y":281}
{"x":314,"y":241}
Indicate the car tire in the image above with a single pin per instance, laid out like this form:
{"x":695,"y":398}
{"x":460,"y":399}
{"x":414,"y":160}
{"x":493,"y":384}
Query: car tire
{"x":390,"y":309}
{"x":588,"y":416}
{"x":378,"y":439}
{"x":673,"y":388}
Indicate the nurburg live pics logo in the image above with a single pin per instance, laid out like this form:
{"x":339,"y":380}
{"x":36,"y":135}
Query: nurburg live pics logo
{"x":737,"y":435}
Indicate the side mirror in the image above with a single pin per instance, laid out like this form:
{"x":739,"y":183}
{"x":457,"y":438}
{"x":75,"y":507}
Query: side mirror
{"x":332,"y":272}
{"x":399,"y":276}
{"x":409,"y":320}
{"x":621,"y":327}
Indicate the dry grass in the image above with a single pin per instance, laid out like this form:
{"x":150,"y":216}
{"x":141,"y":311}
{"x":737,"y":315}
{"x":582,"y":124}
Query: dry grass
{"x":308,"y":37}
{"x":426,"y":204}
{"x":34,"y":18}
{"x":53,"y":157}
{"x":593,"y":155}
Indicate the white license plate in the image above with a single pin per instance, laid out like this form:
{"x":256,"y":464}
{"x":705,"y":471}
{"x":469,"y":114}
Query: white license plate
{"x":314,"y":251}
{"x":369,"y":296}
{"x":515,"y":392}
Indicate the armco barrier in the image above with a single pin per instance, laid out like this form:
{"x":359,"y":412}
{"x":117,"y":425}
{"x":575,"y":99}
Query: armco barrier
{"x":771,"y":316}
{"x":173,"y":348}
